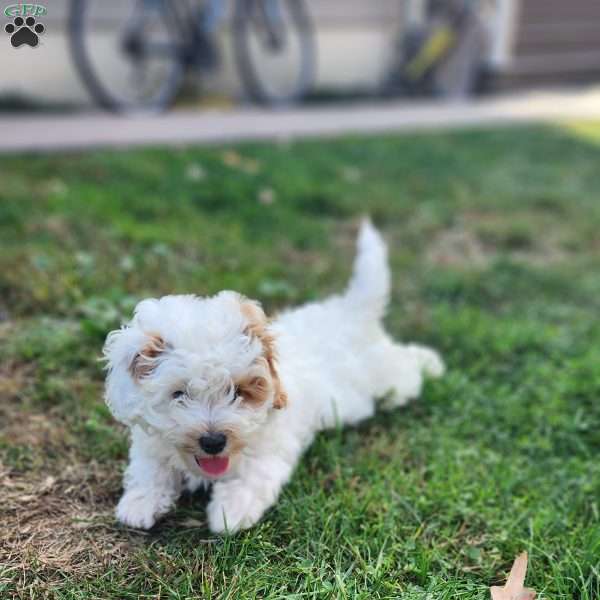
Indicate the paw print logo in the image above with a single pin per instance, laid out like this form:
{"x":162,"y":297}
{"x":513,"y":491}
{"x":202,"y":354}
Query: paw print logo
{"x":24,"y":31}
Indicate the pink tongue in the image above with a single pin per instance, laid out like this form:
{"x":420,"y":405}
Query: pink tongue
{"x":215,"y":465}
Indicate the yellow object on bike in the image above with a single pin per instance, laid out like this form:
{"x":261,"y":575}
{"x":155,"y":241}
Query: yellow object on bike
{"x":432,"y":51}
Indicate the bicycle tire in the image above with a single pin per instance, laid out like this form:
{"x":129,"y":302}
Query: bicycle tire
{"x":247,"y":69}
{"x":100,"y":93}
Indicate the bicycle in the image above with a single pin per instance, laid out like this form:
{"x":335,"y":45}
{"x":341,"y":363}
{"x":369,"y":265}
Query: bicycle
{"x":158,"y":41}
{"x":445,"y":53}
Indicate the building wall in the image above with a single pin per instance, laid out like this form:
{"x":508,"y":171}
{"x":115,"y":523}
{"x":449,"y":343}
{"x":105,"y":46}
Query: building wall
{"x":354,"y":37}
{"x":533,"y":41}
{"x":555,"y":41}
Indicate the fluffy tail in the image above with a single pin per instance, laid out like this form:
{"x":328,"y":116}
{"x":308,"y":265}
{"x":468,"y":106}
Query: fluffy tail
{"x":369,"y":288}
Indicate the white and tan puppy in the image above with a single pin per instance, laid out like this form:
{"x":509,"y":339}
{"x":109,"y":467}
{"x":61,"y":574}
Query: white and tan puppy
{"x":215,"y":392}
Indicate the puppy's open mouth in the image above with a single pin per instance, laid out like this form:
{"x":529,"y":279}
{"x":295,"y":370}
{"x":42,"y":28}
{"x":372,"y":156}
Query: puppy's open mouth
{"x":213,"y":465}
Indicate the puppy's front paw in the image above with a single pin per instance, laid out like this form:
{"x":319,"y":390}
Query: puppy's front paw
{"x":137,"y":510}
{"x":233,"y":507}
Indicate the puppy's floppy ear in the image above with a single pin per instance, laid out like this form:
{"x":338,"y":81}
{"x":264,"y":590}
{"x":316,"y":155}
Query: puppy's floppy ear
{"x":146,"y":360}
{"x":257,"y":326}
{"x":131,"y":355}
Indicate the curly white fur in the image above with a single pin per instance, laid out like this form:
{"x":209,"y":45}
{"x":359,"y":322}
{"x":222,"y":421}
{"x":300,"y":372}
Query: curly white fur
{"x":333,"y":360}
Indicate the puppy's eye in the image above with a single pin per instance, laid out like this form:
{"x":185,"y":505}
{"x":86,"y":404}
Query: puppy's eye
{"x":236,"y":392}
{"x":177,"y":394}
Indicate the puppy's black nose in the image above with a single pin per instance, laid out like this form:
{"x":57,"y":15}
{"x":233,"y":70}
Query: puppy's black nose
{"x":212,"y":443}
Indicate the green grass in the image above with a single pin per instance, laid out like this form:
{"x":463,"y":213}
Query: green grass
{"x":496,"y":257}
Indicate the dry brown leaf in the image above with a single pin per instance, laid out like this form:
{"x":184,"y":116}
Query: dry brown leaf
{"x":47,"y":484}
{"x":234,"y":160}
{"x":266,"y":196}
{"x":195,"y":172}
{"x":351,"y":174}
{"x":192,"y":523}
{"x":514,"y":590}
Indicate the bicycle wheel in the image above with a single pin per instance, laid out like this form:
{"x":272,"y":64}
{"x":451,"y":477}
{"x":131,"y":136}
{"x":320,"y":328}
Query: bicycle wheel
{"x":127,"y":53}
{"x":274,"y":49}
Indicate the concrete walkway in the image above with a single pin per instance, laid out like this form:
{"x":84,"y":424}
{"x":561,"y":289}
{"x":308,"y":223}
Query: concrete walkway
{"x":44,"y":133}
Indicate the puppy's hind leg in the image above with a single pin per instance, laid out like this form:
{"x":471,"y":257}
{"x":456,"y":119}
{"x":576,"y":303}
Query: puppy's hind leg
{"x":400,"y":371}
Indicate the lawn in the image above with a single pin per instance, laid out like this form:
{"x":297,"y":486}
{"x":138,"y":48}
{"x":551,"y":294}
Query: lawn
{"x":495,"y":248}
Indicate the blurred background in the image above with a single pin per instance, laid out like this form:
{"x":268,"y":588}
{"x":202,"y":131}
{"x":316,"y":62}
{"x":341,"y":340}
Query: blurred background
{"x":494,"y":239}
{"x":159,"y":54}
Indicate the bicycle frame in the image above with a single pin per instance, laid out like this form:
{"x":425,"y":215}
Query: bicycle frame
{"x":190,"y":30}
{"x":193,"y":24}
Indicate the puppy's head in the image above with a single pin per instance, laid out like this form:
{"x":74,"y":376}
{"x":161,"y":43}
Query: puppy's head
{"x":200,"y":372}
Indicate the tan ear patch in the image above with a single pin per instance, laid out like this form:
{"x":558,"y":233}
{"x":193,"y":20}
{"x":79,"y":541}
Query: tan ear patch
{"x":257,"y":327}
{"x":280,"y":400}
{"x":144,"y":362}
{"x":254,"y":390}
{"x":257,"y":320}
